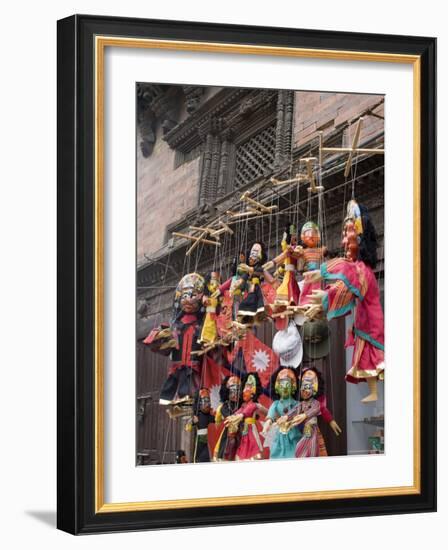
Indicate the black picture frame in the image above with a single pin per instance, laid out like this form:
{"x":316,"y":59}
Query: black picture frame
{"x":76,"y":255}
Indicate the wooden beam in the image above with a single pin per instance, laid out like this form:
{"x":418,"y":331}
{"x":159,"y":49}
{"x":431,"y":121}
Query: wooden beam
{"x":349,"y":149}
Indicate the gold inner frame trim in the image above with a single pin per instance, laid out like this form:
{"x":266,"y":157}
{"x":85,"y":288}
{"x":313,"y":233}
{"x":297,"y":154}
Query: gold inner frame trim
{"x":101,"y":42}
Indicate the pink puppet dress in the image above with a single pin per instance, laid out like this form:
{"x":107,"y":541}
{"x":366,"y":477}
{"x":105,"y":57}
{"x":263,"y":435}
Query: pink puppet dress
{"x":312,"y":257}
{"x":250,"y":445}
{"x":245,"y":418}
{"x":352,"y":287}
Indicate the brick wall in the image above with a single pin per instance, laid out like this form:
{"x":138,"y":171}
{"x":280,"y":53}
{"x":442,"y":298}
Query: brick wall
{"x":163,"y":195}
{"x":316,"y":111}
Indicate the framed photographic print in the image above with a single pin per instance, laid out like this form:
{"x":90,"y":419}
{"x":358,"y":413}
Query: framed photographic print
{"x":246,"y":274}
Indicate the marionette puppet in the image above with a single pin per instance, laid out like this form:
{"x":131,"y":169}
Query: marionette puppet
{"x":209,"y":333}
{"x":184,"y":369}
{"x":352,"y":286}
{"x":284,"y":388}
{"x":245,"y":418}
{"x":324,"y":412}
{"x":230,"y":395}
{"x":312,"y":255}
{"x":316,"y":345}
{"x":200,"y":421}
{"x":288,"y":292}
{"x":252,"y":308}
{"x":232,"y":291}
{"x":305,"y":415}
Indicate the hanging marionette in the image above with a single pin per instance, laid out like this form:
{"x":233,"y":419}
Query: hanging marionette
{"x":316,"y":345}
{"x":230,"y":396}
{"x":245,"y":418}
{"x":284,"y":388}
{"x":312,"y":255}
{"x":252,"y":309}
{"x":210,"y":300}
{"x":200,"y":421}
{"x":324,"y":413}
{"x":288,"y":292}
{"x":305,"y":415}
{"x":184,"y":370}
{"x":352,"y":287}
{"x":234,"y":288}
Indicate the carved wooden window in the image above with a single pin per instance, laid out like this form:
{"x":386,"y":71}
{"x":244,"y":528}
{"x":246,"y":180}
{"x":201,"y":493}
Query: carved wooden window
{"x":255,"y":156}
{"x":240,"y":135}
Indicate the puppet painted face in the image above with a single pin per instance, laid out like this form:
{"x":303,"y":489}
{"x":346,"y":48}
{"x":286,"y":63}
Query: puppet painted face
{"x":350,"y":241}
{"x":190,"y":291}
{"x":250,"y":388}
{"x":309,"y":385}
{"x":310,"y":235}
{"x":234,"y":387}
{"x":256,"y":254}
{"x":214,"y":282}
{"x":285,"y":385}
{"x":204,"y":401}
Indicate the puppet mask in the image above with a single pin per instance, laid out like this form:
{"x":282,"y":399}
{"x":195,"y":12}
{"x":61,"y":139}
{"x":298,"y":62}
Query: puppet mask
{"x":204,"y":401}
{"x":249,"y":388}
{"x":285,"y":384}
{"x":309,"y":385}
{"x":310,"y":235}
{"x":256,"y":253}
{"x":234,"y":387}
{"x":350,"y":241}
{"x":190,"y":291}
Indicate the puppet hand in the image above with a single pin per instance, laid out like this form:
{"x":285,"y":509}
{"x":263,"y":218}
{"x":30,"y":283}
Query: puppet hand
{"x":335,"y":427}
{"x":268,"y":265}
{"x":317,"y":296}
{"x":299,"y":419}
{"x":298,"y":251}
{"x":233,"y":419}
{"x":312,"y":276}
{"x":244,"y":267}
{"x":216,"y":294}
{"x":313,"y":311}
{"x":282,"y":420}
{"x":266,"y":427}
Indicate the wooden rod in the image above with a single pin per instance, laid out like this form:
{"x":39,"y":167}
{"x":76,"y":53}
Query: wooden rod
{"x":204,"y":229}
{"x":309,"y":168}
{"x":321,"y":140}
{"x":258,"y":205}
{"x":196,"y":243}
{"x":241,"y":214}
{"x":226,"y":227}
{"x":193,"y":238}
{"x":298,"y":179}
{"x":348,"y":165}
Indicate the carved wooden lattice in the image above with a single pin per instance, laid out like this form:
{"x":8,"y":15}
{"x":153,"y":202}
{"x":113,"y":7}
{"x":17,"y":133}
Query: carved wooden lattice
{"x":254,"y":156}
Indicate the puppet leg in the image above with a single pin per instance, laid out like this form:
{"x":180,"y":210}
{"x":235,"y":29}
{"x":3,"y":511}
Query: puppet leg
{"x":373,"y":395}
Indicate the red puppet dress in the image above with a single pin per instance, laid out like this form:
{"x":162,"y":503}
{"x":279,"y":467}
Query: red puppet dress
{"x":352,"y":286}
{"x":250,"y":445}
